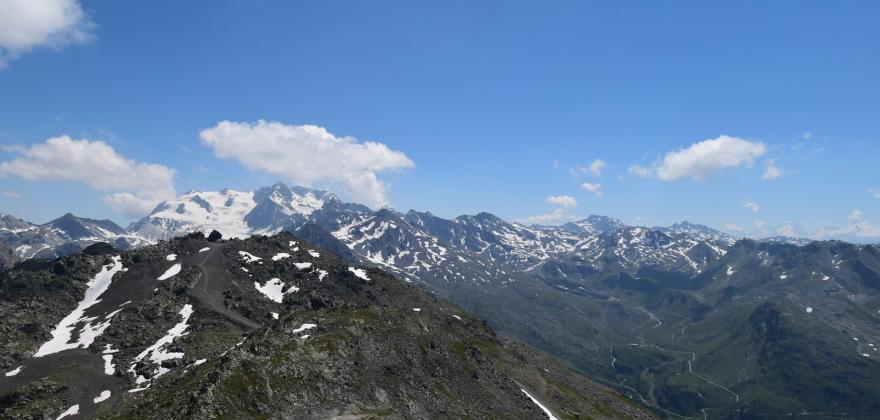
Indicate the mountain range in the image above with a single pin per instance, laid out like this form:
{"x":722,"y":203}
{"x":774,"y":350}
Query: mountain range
{"x":685,"y":319}
{"x":258,"y":328}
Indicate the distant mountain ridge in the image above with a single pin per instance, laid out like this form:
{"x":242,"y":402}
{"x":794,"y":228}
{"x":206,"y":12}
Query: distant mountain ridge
{"x":269,"y":210}
{"x":63,"y":236}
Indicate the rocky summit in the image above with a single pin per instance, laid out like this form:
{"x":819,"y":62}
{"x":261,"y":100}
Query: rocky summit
{"x":264,"y":327}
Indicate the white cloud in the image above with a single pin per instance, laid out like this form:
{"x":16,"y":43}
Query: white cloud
{"x":874,"y":192}
{"x":641,"y":171}
{"x":700,"y":160}
{"x":856,"y":229}
{"x":11,"y":194}
{"x":751,"y":205}
{"x":789,"y":229}
{"x":771,"y":171}
{"x":29,"y":24}
{"x":594,"y":168}
{"x":593,"y":188}
{"x":555,"y":217}
{"x":306,"y":154}
{"x":808,"y":135}
{"x":136,"y":187}
{"x":562,"y":200}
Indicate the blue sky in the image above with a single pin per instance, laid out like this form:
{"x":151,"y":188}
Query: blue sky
{"x":492,"y":103}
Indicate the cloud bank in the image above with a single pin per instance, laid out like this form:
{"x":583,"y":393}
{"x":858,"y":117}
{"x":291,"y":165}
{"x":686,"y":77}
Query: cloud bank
{"x":135,"y":187}
{"x":307,"y":154}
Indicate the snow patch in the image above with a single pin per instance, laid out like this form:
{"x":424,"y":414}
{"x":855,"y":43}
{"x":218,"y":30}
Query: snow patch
{"x":61,"y":334}
{"x":303,"y":266}
{"x":417,"y":309}
{"x":304,"y":327}
{"x":109,"y":367}
{"x":274,"y":289}
{"x":314,"y":254}
{"x":200,"y":361}
{"x":72,"y":411}
{"x":541,"y":406}
{"x":809,"y":310}
{"x":248,"y":257}
{"x":14,"y":372}
{"x":205,"y":249}
{"x":274,"y":315}
{"x":103,"y":397}
{"x":171,"y":257}
{"x":730,"y":271}
{"x":359,"y":272}
{"x":279,"y":256}
{"x":171,"y":272}
{"x":157,"y":352}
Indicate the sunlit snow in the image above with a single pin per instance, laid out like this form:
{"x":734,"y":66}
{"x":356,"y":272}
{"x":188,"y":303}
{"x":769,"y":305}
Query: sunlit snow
{"x":248,"y":257}
{"x":14,"y":372}
{"x":171,"y":272}
{"x":538,"y":403}
{"x":274,"y":289}
{"x":360,"y":272}
{"x":157,"y":352}
{"x":72,"y":411}
{"x":62,"y":333}
{"x":304,"y":327}
{"x":109,"y":367}
{"x":103,"y":397}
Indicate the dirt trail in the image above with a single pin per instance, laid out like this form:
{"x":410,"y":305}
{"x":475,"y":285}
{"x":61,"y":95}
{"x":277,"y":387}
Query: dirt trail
{"x":211,"y":284}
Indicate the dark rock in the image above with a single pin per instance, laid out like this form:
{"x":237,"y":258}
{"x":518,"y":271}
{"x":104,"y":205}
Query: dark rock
{"x":215,"y":236}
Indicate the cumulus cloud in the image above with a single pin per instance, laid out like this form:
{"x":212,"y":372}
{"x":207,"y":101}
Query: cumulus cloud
{"x":700,"y":160}
{"x":594,"y":168}
{"x":307,"y":154}
{"x":808,"y":135}
{"x":790,"y":229}
{"x":771,"y":171}
{"x":555,"y":217}
{"x":562,"y":200}
{"x":751,"y":205}
{"x":593,"y":188}
{"x":857,"y":229}
{"x":29,"y":24}
{"x":135,"y":187}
